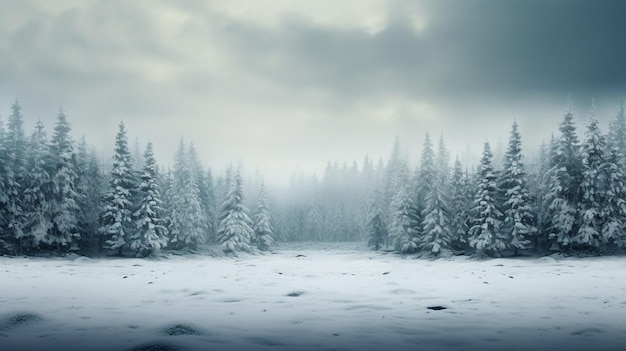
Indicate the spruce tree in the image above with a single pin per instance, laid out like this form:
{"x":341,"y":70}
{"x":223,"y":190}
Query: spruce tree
{"x":436,"y":231}
{"x":614,"y":227}
{"x":6,"y":239}
{"x":485,"y":234}
{"x":592,"y":207}
{"x":519,"y":216}
{"x":617,"y":134}
{"x":460,"y":202}
{"x":234,"y":231}
{"x":64,"y":233}
{"x":117,"y":222}
{"x":263,"y":231}
{"x":15,"y":148}
{"x":38,"y":189}
{"x":563,"y":195}
{"x":150,"y":235}
{"x":187,"y":225}
{"x":376,"y":227}
{"x":404,"y":222}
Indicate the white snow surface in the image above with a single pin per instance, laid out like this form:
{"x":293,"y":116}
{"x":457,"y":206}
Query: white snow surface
{"x":348,"y":298}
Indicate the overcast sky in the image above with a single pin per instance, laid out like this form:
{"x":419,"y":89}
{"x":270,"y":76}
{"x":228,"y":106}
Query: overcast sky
{"x":286,"y":83}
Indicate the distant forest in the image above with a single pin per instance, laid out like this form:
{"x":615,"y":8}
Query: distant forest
{"x":56,"y":198}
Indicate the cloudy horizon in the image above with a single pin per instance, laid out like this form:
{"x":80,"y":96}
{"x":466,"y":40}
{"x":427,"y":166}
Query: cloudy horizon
{"x":287,"y":85}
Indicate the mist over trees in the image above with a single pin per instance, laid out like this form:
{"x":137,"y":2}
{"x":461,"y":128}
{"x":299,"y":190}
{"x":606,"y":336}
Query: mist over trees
{"x":56,"y":197}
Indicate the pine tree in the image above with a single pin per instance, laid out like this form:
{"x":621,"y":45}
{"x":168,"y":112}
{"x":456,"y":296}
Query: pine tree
{"x":210,"y":206}
{"x":187,"y":224}
{"x":150,"y":235}
{"x":486,"y":235}
{"x":376,"y":226}
{"x":64,"y":233}
{"x":6,"y":239}
{"x":460,"y":202}
{"x":436,"y":231}
{"x":203,"y":191}
{"x":404,"y":222}
{"x":617,"y":134}
{"x":614,"y":227}
{"x":117,"y":219}
{"x":91,"y":186}
{"x":234,"y":231}
{"x":519,"y":216}
{"x":15,"y":146}
{"x":564,"y":185}
{"x":592,"y":207}
{"x":263,"y":231}
{"x":426,"y":175}
{"x":38,"y":189}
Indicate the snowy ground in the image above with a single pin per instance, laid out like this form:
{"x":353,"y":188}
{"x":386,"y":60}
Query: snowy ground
{"x":334,"y":297}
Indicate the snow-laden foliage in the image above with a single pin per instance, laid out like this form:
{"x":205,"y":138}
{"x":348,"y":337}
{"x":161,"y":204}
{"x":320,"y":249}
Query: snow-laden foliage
{"x":486,"y":234}
{"x":263,"y":239}
{"x":376,"y":226}
{"x":15,"y":149}
{"x":187,"y":224}
{"x":234,"y":231}
{"x":592,"y":209}
{"x":436,"y":230}
{"x":150,"y":235}
{"x":460,"y":201}
{"x":404,"y":222}
{"x":564,"y":185}
{"x":117,"y":225}
{"x":37,"y":189}
{"x":519,"y":218}
{"x":64,"y":233}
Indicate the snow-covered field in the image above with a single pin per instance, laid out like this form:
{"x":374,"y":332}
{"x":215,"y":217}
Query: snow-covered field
{"x":304,"y":297}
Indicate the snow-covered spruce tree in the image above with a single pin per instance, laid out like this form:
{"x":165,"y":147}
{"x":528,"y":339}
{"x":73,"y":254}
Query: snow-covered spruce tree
{"x":6,"y":239}
{"x":614,"y":226}
{"x":15,"y":146}
{"x":91,"y":185}
{"x":425,"y":177}
{"x":211,"y":206}
{"x":376,"y":226}
{"x":436,"y":231}
{"x":460,"y":203}
{"x":564,"y":185}
{"x":187,"y":225}
{"x":519,"y":216}
{"x":234,"y":231}
{"x":204,"y":197}
{"x":150,"y":235}
{"x":64,"y":233}
{"x":617,"y":134}
{"x":592,"y":206}
{"x":37,"y":189}
{"x":485,"y":234}
{"x":404,"y":222}
{"x":396,"y":178}
{"x":117,"y":218}
{"x":263,"y":231}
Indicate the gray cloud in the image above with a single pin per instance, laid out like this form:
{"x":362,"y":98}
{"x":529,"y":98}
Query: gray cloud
{"x":295,"y":76}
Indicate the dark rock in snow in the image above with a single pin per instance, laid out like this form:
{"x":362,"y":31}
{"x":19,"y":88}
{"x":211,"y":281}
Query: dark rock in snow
{"x":437,"y":308}
{"x":385,"y":273}
{"x":181,"y":329}
{"x":19,"y":320}
{"x":157,"y":346}
{"x":295,"y":293}
{"x":300,"y":256}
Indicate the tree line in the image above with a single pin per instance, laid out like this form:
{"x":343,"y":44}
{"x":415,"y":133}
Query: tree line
{"x":572,"y":200}
{"x":55,"y":199}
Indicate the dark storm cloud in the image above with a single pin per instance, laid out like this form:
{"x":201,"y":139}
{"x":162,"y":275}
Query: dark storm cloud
{"x":467,"y":48}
